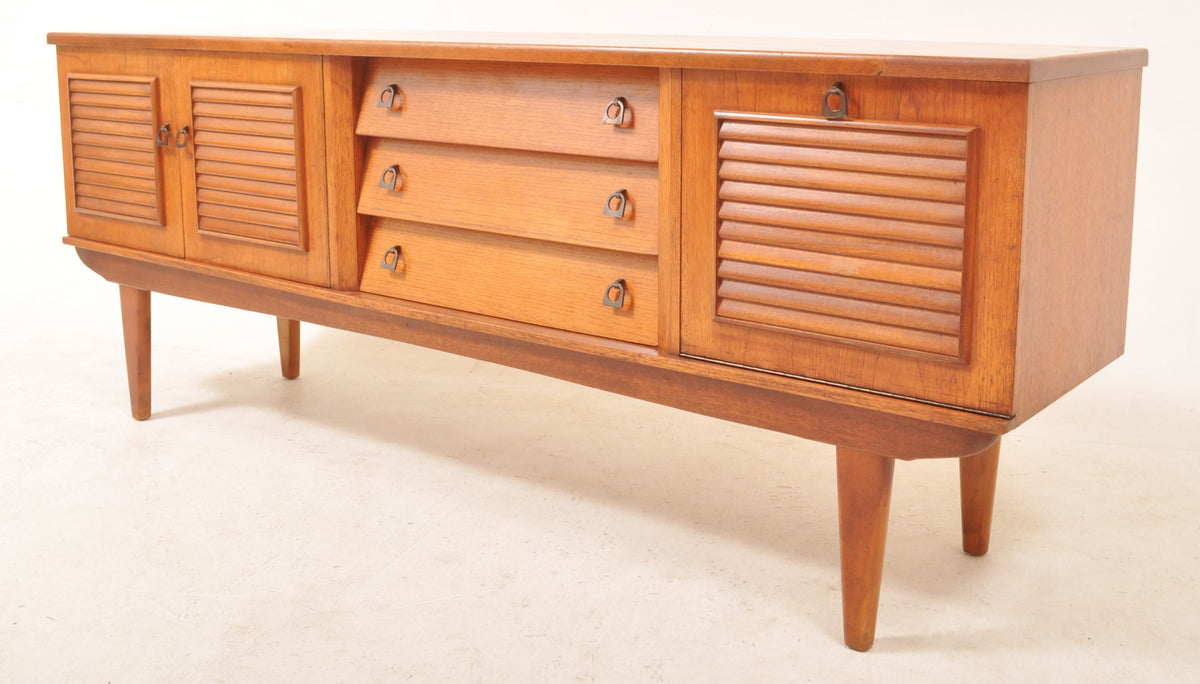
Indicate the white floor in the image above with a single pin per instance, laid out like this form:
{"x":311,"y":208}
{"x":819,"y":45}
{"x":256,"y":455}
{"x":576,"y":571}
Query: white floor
{"x":399,"y":514}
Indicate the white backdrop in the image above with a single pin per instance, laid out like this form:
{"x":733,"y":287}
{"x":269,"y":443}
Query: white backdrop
{"x":60,"y":359}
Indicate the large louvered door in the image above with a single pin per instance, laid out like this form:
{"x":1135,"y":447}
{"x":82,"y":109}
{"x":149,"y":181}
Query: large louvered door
{"x":122,"y":187}
{"x":251,"y":199}
{"x":851,"y":231}
{"x":843,"y":251}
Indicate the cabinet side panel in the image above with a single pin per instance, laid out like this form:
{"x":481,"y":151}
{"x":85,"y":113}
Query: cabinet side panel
{"x":1082,"y":142}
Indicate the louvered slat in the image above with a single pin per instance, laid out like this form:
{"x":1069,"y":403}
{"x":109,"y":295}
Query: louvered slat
{"x":870,"y":269}
{"x":98,"y":178}
{"x":842,"y":286}
{"x":114,"y":113}
{"x":900,"y":316}
{"x":248,"y":176}
{"x":904,"y":139}
{"x":839,"y":326}
{"x":908,"y":231}
{"x":903,"y":164}
{"x":848,"y":245}
{"x":275,"y":128}
{"x":125,"y":210}
{"x":245,"y":112}
{"x":247,"y":230}
{"x":848,"y":202}
{"x":286,"y":190}
{"x":115,"y":166}
{"x":819,"y":178}
{"x":852,"y":231}
{"x":283,"y":176}
{"x":145,"y":199}
{"x":126,"y":154}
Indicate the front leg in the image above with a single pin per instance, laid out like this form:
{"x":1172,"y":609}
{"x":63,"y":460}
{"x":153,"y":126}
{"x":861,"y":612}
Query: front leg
{"x":864,"y":499}
{"x":135,"y":323}
{"x":289,"y":347}
{"x":977,"y":479}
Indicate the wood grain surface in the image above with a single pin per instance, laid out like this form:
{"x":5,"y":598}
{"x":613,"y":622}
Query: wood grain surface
{"x":537,"y":282}
{"x":526,"y":194}
{"x":902,"y":59}
{"x":538,"y":107}
{"x":1078,"y":235}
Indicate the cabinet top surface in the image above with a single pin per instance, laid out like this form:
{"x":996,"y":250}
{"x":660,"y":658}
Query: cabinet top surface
{"x":971,"y":61}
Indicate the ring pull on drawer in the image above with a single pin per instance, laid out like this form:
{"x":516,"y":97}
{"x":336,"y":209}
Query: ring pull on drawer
{"x":391,"y":179}
{"x":616,"y":204}
{"x":393,"y":259}
{"x":391,"y":98}
{"x":616,"y":111}
{"x":843,"y":102}
{"x":614,"y":295}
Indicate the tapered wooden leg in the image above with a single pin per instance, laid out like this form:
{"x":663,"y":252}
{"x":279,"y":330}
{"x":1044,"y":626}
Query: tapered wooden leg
{"x":135,"y":323}
{"x":977,"y":479}
{"x":289,"y":347}
{"x":864,"y":498}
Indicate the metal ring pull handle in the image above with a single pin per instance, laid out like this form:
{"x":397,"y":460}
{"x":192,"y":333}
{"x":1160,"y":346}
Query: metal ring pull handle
{"x":182,"y":137}
{"x":163,"y":137}
{"x":615,"y":112}
{"x":616,"y":204}
{"x":614,"y":295}
{"x":391,"y":98}
{"x":393,"y":258}
{"x":391,"y":179}
{"x":828,"y":112}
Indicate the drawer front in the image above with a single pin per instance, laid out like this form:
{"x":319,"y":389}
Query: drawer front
{"x":546,"y":108}
{"x":557,"y":286}
{"x":515,"y":193}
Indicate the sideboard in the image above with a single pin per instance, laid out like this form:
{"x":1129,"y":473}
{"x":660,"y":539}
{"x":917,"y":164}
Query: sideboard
{"x":905,"y":250}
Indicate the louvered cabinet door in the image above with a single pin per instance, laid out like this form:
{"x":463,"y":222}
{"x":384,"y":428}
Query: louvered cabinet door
{"x":872,"y":251}
{"x":254,"y":170}
{"x":122,"y":188}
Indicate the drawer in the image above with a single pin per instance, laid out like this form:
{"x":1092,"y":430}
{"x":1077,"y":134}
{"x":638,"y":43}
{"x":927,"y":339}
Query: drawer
{"x":547,"y":108}
{"x":526,"y":194}
{"x":557,"y":286}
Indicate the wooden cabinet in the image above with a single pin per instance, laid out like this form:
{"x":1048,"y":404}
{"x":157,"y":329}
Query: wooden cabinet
{"x":905,"y":250}
{"x":201,"y":156}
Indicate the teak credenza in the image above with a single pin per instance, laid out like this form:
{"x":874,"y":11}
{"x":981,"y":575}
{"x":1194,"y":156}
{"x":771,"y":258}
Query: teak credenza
{"x":905,"y":250}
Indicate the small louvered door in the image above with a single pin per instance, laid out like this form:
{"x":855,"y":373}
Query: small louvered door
{"x":122,"y":187}
{"x":841,"y":251}
{"x":252,"y":201}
